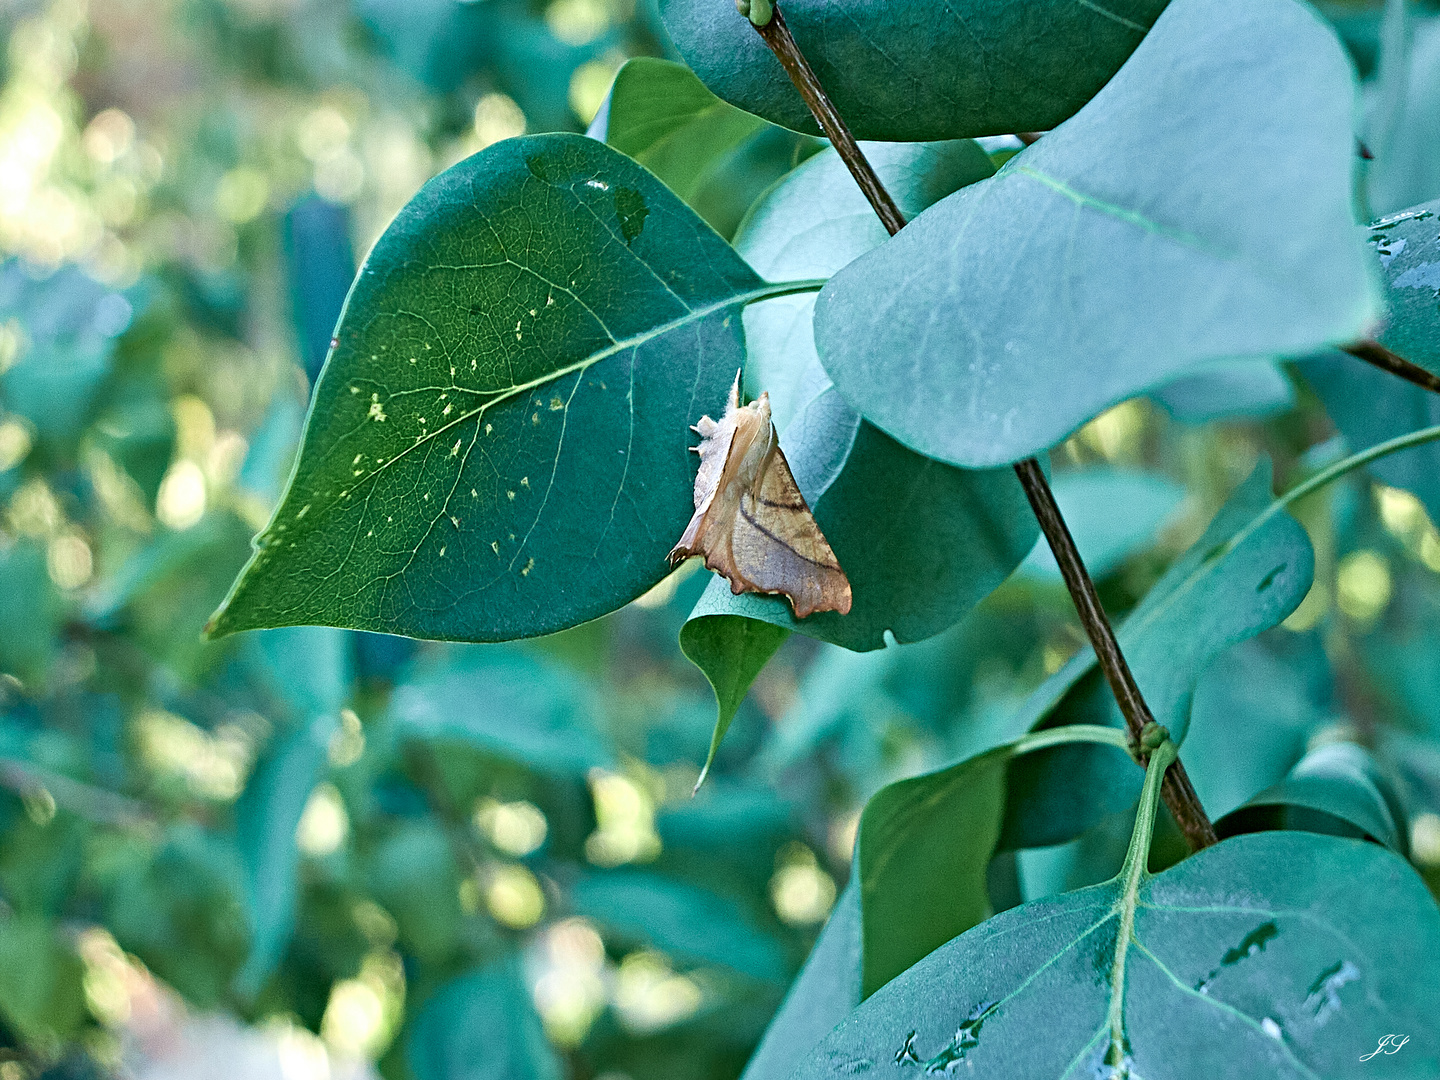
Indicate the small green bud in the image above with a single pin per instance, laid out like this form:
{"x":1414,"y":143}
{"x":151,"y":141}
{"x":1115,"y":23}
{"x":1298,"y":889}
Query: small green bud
{"x":760,"y":12}
{"x":1153,"y":736}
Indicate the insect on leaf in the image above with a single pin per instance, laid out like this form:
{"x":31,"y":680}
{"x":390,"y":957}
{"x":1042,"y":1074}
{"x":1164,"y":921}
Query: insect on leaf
{"x":751,"y":523}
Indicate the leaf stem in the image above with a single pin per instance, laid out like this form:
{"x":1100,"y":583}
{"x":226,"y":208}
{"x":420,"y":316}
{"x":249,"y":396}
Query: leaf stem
{"x":1071,"y":733}
{"x":1325,"y":476}
{"x":1131,"y":875}
{"x":1179,"y":794}
{"x":1372,"y":352}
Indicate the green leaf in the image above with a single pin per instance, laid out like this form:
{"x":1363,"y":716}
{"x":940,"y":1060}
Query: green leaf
{"x":1254,"y":708}
{"x":481,"y":1026}
{"x":1337,"y":789}
{"x":499,"y":444}
{"x":663,"y":117}
{"x":508,"y":704}
{"x":1006,"y":67}
{"x":1249,"y":570}
{"x":1227,"y":388}
{"x":1273,"y":954}
{"x":1122,"y":249}
{"x":924,"y":848}
{"x":679,"y":918}
{"x":31,"y":612}
{"x":266,"y":818}
{"x":1408,"y":244}
{"x":922,"y":854}
{"x":41,"y":996}
{"x":731,"y":650}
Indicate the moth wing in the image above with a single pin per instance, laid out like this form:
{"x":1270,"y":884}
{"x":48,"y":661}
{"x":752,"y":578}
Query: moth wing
{"x":715,"y":446}
{"x":777,"y":547}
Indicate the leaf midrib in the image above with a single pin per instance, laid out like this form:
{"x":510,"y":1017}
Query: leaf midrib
{"x":617,"y":347}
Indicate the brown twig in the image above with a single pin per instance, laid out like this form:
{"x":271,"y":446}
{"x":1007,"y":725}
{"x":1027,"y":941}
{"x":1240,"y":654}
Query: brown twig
{"x":782,"y":43}
{"x":1178,"y":792}
{"x":1372,"y":352}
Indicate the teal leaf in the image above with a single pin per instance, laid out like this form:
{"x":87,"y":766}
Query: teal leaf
{"x":1273,"y":954}
{"x":1128,"y":245}
{"x":305,"y":667}
{"x":499,"y":444}
{"x":680,"y":919}
{"x":266,"y":818}
{"x":716,"y":157}
{"x":1408,"y":244}
{"x":731,"y":650}
{"x":810,"y":225}
{"x":70,"y":324}
{"x":823,"y":994}
{"x":509,"y":704}
{"x":1112,"y":513}
{"x":1007,"y":67}
{"x":1247,"y":572}
{"x":1254,"y":708}
{"x":481,"y":1026}
{"x":1337,"y":788}
{"x":1227,"y":388}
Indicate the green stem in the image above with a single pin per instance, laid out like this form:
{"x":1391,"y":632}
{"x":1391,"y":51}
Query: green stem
{"x":1328,"y":475}
{"x":1131,"y":875}
{"x":1071,"y":733}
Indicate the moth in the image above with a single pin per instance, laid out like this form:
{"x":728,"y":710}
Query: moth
{"x":751,"y":523}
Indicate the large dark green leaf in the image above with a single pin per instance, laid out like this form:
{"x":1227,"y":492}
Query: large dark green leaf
{"x":916,"y":69}
{"x":1249,"y":570}
{"x":714,"y":156}
{"x":1125,"y":247}
{"x":499,"y":444}
{"x":1337,"y":788}
{"x":481,"y":1026}
{"x":1276,"y":954}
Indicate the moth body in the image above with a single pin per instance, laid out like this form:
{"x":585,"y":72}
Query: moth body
{"x":751,"y":523}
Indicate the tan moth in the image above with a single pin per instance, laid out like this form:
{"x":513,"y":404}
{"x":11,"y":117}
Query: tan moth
{"x":751,"y":523}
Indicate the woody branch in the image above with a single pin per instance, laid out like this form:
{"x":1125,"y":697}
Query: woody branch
{"x":1179,"y":794}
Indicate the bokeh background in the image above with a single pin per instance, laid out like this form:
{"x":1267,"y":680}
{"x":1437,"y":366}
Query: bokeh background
{"x":315,"y":854}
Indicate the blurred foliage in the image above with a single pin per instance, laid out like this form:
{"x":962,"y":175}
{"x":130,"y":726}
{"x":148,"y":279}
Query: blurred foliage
{"x":377,"y":850}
